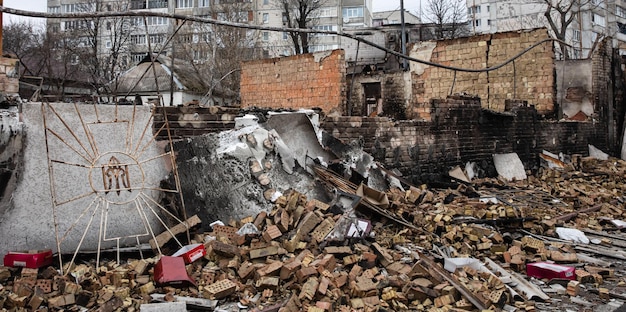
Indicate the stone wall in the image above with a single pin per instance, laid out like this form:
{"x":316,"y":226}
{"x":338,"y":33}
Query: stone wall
{"x":461,"y":131}
{"x":530,"y":77}
{"x":301,"y":81}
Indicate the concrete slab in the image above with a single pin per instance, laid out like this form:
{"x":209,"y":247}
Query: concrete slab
{"x":163,"y":307}
{"x":104,"y":172}
{"x":509,"y":166}
{"x":597,"y":153}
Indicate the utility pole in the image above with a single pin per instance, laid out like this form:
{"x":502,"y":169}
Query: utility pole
{"x":404,"y":64}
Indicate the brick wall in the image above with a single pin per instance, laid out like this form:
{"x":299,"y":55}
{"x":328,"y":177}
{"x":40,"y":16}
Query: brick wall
{"x":531,"y":78}
{"x":460,"y":131}
{"x":191,"y":121}
{"x":301,"y":81}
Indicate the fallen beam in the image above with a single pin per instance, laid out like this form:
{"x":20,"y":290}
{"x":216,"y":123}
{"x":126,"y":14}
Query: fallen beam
{"x":477,"y":302}
{"x":572,"y":215}
{"x":166,"y":236}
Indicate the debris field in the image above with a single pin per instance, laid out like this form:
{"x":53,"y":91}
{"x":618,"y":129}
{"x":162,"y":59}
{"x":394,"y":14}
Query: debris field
{"x":552,"y":242}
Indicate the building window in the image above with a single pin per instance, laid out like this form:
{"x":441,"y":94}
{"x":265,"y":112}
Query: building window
{"x":136,"y":21}
{"x":68,"y":8}
{"x":620,"y":11}
{"x":598,"y":19}
{"x":186,"y":38}
{"x":242,"y":17}
{"x":324,"y":27}
{"x":157,"y":4}
{"x":285,"y":36}
{"x":54,"y":9}
{"x":353,"y":12}
{"x":137,"y":4}
{"x":474,"y":10}
{"x":266,"y":18}
{"x":576,"y":35}
{"x":138,"y":39}
{"x":477,"y":23}
{"x":621,"y":28}
{"x":157,"y":38}
{"x":137,"y":57}
{"x":266,"y":36}
{"x":266,"y":2}
{"x":72,"y":25}
{"x":108,"y":44}
{"x":488,"y":22}
{"x":156,"y":20}
{"x":108,"y":25}
{"x":203,"y":3}
{"x":327,"y":12}
{"x":184,"y":3}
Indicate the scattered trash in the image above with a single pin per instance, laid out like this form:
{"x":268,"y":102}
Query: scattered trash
{"x":575,"y":235}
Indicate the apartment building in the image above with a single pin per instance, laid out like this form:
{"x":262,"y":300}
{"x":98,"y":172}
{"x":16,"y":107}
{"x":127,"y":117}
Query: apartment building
{"x":597,"y":19}
{"x":332,"y":15}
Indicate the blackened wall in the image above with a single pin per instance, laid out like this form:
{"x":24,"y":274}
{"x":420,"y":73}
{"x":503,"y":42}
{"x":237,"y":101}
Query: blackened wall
{"x":460,"y":131}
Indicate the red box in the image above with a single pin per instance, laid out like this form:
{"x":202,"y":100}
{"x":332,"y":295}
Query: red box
{"x":32,"y":259}
{"x":171,"y":271}
{"x":550,"y":270}
{"x":191,"y":253}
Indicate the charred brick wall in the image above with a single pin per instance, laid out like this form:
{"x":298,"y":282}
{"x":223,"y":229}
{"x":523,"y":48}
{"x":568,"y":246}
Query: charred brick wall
{"x":191,"y":121}
{"x":301,"y":81}
{"x":461,"y":131}
{"x":530,"y":77}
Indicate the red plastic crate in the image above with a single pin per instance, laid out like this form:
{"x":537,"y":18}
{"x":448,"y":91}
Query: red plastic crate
{"x":191,"y":253}
{"x":33,"y":259}
{"x":171,"y":271}
{"x":550,"y":270}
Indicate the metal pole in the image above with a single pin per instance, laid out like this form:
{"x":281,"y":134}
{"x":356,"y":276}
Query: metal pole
{"x":404,"y":66}
{"x":1,"y":36}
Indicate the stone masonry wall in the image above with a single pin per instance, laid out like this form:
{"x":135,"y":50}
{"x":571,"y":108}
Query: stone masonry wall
{"x":301,"y":81}
{"x":460,"y":131}
{"x":531,"y":78}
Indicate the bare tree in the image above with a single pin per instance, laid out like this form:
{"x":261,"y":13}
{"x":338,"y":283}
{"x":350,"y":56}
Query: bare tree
{"x":449,"y":17}
{"x":103,"y":42}
{"x":560,"y":14}
{"x":299,"y":14}
{"x":24,"y":41}
{"x":209,"y":49}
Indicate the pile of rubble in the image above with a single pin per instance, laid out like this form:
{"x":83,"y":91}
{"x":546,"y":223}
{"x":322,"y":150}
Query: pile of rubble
{"x":475,"y":247}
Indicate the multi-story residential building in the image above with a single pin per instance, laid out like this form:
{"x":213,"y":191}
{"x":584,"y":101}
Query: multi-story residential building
{"x":596,"y":19}
{"x":332,"y":15}
{"x":394,"y":18}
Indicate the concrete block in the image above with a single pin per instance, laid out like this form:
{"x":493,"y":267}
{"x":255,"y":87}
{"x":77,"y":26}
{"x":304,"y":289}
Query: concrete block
{"x":163,"y":307}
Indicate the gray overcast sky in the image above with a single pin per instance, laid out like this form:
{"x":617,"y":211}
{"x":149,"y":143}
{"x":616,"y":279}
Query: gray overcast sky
{"x":29,"y":5}
{"x":40,"y":5}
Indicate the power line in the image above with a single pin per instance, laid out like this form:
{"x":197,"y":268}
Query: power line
{"x":86,"y":15}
